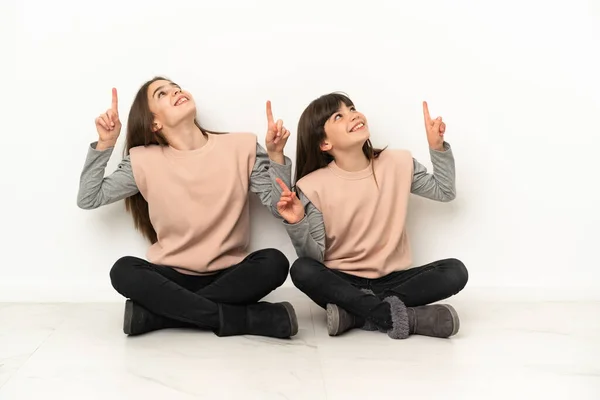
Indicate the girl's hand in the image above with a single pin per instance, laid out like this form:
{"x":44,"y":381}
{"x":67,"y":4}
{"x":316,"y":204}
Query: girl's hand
{"x":108,"y":125}
{"x":277,"y":136}
{"x":435,"y":130}
{"x":289,"y":206}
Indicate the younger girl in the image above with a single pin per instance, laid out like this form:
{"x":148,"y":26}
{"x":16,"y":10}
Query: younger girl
{"x":187,"y":190}
{"x":347,"y":224}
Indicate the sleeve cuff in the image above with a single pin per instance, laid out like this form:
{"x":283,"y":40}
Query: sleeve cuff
{"x":447,"y":149}
{"x":287,"y":160}
{"x":282,"y":171}
{"x":93,"y":147}
{"x":297,"y":223}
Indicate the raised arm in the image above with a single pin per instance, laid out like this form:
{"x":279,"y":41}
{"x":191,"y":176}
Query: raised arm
{"x":440,"y":185}
{"x":271,"y":164}
{"x":95,"y":189}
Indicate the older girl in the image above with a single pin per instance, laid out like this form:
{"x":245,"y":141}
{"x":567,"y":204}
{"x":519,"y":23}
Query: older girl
{"x":187,"y":190}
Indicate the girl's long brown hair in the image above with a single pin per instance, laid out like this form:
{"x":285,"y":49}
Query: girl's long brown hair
{"x":311,"y":133}
{"x":139,"y":133}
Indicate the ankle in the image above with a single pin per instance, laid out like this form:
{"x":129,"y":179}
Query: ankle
{"x":400,"y":328}
{"x":381,"y":316}
{"x":412,"y":320}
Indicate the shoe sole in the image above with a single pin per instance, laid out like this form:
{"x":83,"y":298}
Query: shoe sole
{"x":128,"y":319}
{"x":333,"y":320}
{"x":293,"y":318}
{"x":455,"y":319}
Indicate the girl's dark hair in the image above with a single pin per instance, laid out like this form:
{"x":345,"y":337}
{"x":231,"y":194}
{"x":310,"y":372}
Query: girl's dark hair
{"x":311,"y":133}
{"x":139,"y":133}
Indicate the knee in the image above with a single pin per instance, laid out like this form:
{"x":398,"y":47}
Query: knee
{"x":458,"y":274}
{"x":303,"y":271}
{"x":120,"y":274}
{"x":278,"y":266}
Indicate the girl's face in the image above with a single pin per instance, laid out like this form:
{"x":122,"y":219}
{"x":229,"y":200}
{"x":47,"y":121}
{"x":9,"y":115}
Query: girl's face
{"x":345,"y":129}
{"x":170,"y":104}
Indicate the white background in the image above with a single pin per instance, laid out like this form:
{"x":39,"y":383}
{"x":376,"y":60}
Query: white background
{"x":516,"y":82}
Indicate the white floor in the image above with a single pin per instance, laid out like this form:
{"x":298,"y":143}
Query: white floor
{"x":505,"y":350}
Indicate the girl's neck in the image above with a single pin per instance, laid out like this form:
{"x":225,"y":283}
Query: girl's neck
{"x":186,"y":136}
{"x":351,"y":160}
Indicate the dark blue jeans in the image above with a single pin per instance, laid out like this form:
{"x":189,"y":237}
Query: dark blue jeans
{"x":415,"y":287}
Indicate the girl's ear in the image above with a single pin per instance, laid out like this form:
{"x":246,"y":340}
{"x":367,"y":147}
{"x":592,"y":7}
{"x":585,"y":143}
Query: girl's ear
{"x":325,"y":146}
{"x":156,"y":126}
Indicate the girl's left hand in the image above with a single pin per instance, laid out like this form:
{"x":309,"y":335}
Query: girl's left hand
{"x":277,"y":134}
{"x":289,"y":206}
{"x":435,"y":130}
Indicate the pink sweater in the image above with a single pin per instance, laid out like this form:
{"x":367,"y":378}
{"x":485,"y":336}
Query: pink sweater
{"x":364,"y":220}
{"x":198,"y":201}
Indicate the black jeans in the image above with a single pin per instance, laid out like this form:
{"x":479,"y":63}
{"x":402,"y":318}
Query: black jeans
{"x":192,"y":299}
{"x":415,"y":287}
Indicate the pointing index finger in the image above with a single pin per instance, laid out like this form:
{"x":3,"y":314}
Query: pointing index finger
{"x":269,"y":113}
{"x":282,"y":185}
{"x":115,"y":100}
{"x":426,"y":113}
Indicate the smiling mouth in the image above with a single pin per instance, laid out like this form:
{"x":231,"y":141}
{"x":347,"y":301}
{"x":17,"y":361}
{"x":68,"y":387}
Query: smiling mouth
{"x":181,"y":101}
{"x":357,"y":127}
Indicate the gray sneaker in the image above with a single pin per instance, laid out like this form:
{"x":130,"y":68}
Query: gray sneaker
{"x":339,"y":320}
{"x":437,"y":320}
